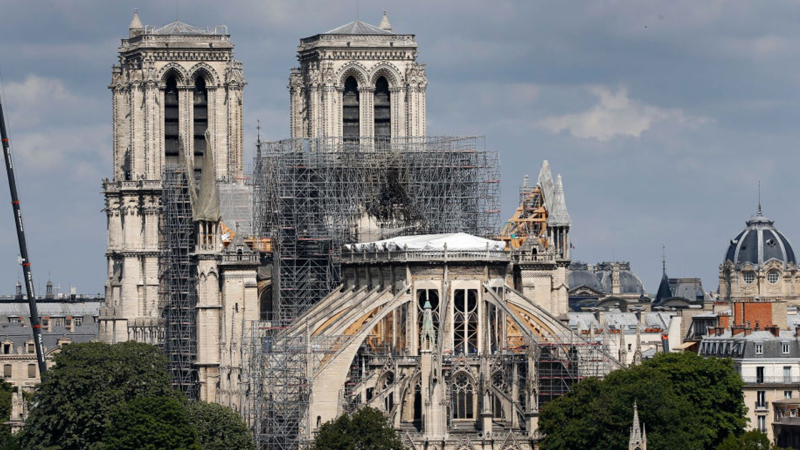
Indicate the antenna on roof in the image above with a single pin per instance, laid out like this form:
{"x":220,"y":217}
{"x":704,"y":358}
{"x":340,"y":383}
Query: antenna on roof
{"x":663,"y":258}
{"x":759,"y":197}
{"x":177,"y":9}
{"x":356,"y":10}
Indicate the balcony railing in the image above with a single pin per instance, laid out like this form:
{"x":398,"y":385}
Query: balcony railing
{"x":770,"y":380}
{"x":763,"y":406}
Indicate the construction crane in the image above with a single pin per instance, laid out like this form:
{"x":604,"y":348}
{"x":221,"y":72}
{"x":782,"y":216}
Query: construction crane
{"x":36,"y":324}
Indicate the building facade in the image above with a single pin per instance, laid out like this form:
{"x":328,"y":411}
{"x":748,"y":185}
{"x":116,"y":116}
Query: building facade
{"x":358,"y":80}
{"x":174,"y":279}
{"x":760,"y":262}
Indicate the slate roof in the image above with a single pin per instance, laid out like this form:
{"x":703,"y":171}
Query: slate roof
{"x":758,"y":243}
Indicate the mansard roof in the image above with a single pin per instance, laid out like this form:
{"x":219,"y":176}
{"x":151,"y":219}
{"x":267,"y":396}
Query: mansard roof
{"x":358,"y":27}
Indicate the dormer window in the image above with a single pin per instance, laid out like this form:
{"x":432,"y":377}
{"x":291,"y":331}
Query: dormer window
{"x":759,"y":348}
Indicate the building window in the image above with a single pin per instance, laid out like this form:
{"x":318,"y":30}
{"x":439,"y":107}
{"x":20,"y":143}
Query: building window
{"x":350,"y":113}
{"x":759,"y":348}
{"x":8,"y":348}
{"x":760,"y":374}
{"x":762,"y":424}
{"x":787,"y":374}
{"x":464,"y":397}
{"x":78,"y":321}
{"x":749,"y":277}
{"x":465,"y":321}
{"x":785,"y":348}
{"x":772,"y":276}
{"x":7,"y":371}
{"x":171,"y":127}
{"x":383,"y":110}
{"x":14,"y":319}
{"x":760,"y":399}
{"x":30,"y":347}
{"x":787,"y":394}
{"x":31,"y":370}
{"x":200,"y":121}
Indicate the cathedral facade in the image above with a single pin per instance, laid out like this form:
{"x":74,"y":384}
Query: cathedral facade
{"x":177,"y":105}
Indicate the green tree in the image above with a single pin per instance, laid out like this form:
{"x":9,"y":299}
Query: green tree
{"x":219,"y":427}
{"x":714,"y":389}
{"x":151,"y":423}
{"x":73,"y":403}
{"x":676,"y":395}
{"x":365,"y":429}
{"x":752,"y":440}
{"x":7,"y":440}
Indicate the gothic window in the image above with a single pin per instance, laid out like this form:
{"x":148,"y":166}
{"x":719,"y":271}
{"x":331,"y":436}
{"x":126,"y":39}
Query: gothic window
{"x":171,"y":122}
{"x":200,"y":121}
{"x":350,"y":112}
{"x":463,"y":395}
{"x":465,"y":321}
{"x":431,"y":295}
{"x":383,"y":112}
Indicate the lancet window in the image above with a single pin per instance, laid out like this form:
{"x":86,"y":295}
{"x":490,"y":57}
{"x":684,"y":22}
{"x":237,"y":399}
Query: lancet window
{"x":171,"y":131}
{"x":465,"y":321}
{"x":350,"y":111}
{"x":463,"y":395}
{"x":383,"y":110}
{"x":200,"y":121}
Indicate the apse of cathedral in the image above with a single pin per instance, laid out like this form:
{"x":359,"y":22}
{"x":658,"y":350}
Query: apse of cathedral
{"x":373,"y":272}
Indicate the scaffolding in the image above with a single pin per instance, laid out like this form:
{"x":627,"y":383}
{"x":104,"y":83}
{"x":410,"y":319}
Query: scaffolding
{"x":314,"y":195}
{"x":236,"y":206}
{"x":279,"y":372}
{"x":177,"y":281}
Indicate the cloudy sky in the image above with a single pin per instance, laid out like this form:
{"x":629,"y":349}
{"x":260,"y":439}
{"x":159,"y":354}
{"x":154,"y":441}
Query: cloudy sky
{"x":661,"y":116}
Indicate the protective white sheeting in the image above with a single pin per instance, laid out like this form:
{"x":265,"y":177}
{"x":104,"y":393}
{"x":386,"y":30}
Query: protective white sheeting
{"x":454,"y":242}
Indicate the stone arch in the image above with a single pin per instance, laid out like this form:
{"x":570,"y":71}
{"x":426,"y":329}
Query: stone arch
{"x":207,"y":72}
{"x":388,"y":71}
{"x":180,"y":73}
{"x":354,"y":69}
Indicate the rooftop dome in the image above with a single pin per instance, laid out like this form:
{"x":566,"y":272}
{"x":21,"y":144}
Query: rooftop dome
{"x":579,"y":275}
{"x":629,"y":282}
{"x":758,"y":243}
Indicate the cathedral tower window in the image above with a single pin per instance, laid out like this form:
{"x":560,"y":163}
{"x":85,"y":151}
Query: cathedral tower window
{"x":200,"y":121}
{"x":383,"y":111}
{"x":171,"y":132}
{"x":350,"y":111}
{"x":465,"y":321}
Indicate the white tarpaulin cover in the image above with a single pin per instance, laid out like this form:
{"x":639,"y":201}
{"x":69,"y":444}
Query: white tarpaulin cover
{"x":454,"y":241}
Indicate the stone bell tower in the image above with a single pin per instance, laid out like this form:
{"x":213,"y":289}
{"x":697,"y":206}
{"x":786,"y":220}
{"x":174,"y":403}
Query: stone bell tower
{"x":171,"y":85}
{"x":358,"y":80}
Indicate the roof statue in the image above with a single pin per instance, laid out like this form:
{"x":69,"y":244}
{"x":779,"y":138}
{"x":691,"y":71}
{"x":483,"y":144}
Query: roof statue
{"x":428,"y":334}
{"x":559,"y":216}
{"x":385,"y":25}
{"x":638,"y":438}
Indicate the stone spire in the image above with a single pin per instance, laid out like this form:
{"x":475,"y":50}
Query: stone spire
{"x":427,"y":333}
{"x":623,"y":351}
{"x":559,"y":216}
{"x":637,"y":354}
{"x":385,"y":25}
{"x":545,"y":183}
{"x":136,"y":28}
{"x":638,"y":438}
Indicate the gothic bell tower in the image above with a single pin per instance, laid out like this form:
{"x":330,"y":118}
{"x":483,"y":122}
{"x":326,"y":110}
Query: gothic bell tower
{"x":358,"y":80}
{"x":171,"y":85}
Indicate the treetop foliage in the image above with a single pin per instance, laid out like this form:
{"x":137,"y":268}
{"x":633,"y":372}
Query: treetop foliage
{"x":365,"y":429}
{"x":685,"y":401}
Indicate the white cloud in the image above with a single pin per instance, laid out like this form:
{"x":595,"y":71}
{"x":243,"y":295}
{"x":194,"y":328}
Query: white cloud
{"x":614,"y":115}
